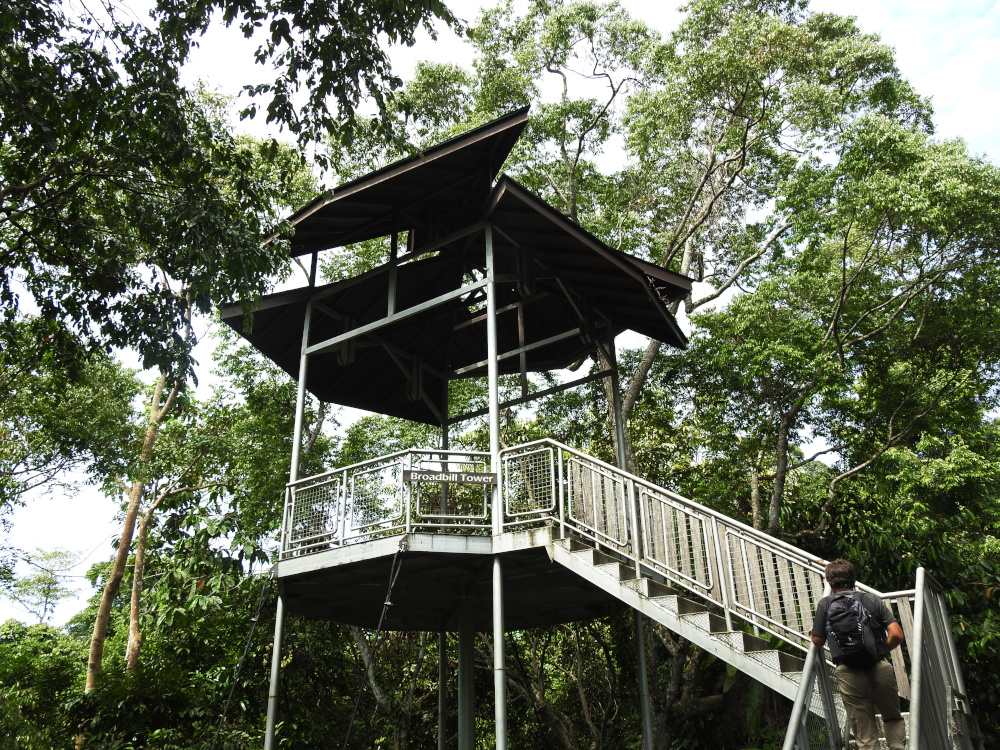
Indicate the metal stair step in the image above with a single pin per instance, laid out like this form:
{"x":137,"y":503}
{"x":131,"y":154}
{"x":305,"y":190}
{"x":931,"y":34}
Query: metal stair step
{"x":679,"y":605}
{"x":649,"y":588}
{"x":708,"y":621}
{"x":592,"y":557}
{"x":778,"y":661}
{"x":572,"y":544}
{"x":618,"y":570}
{"x":737,"y":640}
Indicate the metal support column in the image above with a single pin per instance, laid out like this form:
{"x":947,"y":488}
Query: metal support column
{"x":499,"y":676}
{"x":279,"y":623}
{"x":466,"y":678}
{"x":442,"y":689}
{"x":493,"y":369}
{"x":272,"y":692}
{"x":639,"y":628}
{"x":493,"y":377}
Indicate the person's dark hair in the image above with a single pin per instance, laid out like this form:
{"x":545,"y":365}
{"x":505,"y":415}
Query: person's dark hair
{"x":840,"y":574}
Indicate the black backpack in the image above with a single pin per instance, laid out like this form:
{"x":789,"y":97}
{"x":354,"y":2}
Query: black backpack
{"x":850,"y":631}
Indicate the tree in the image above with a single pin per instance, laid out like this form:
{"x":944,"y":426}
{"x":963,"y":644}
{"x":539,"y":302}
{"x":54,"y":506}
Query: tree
{"x":117,"y":189}
{"x":39,"y":593}
{"x":55,"y":420}
{"x":39,"y":672}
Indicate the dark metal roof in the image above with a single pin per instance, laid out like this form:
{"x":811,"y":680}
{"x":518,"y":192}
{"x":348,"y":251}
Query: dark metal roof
{"x":559,"y":288}
{"x":455,"y":175}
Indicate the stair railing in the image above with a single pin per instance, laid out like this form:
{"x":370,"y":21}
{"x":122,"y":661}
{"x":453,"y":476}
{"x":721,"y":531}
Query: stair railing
{"x":939,"y":710}
{"x":766,"y":582}
{"x":815,"y":673}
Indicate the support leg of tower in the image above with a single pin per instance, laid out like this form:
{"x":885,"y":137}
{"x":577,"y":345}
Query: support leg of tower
{"x":442,"y":689}
{"x":466,"y":679}
{"x":647,"y":714}
{"x":272,"y":693}
{"x":499,"y":677}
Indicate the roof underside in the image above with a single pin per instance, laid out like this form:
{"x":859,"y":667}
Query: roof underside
{"x":450,"y":180}
{"x":559,"y":290}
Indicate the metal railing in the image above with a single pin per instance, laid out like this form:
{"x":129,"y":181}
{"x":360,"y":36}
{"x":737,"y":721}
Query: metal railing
{"x":939,"y":710}
{"x":815,"y":687}
{"x":760,"y":579}
{"x":371,"y":499}
{"x":765,"y":582}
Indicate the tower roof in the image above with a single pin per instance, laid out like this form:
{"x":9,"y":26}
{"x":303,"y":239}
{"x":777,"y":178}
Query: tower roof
{"x":559,"y":288}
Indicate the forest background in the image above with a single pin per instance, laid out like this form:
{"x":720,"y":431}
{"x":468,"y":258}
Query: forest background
{"x":843,"y":396}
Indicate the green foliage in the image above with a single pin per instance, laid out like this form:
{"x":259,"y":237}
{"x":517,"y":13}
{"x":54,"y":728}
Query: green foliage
{"x":40,"y":668}
{"x":40,"y":591}
{"x":56,"y":416}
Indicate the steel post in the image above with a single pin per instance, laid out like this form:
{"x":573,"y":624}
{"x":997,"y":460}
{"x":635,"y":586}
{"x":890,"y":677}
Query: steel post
{"x":640,"y":636}
{"x":442,"y":689}
{"x":917,"y":658}
{"x":466,"y":678}
{"x":499,"y":676}
{"x":293,"y":475}
{"x":272,"y":692}
{"x":300,"y":397}
{"x":647,"y":714}
{"x":493,"y":377}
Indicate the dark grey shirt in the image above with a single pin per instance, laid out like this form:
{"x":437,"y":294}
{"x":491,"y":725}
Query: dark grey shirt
{"x":876,"y":607}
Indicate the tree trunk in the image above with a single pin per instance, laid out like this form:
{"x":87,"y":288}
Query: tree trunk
{"x":156,"y":416}
{"x":755,"y":509}
{"x":781,"y":469}
{"x":134,"y":634}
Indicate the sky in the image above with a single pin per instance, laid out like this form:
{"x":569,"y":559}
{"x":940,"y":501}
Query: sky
{"x":949,"y":51}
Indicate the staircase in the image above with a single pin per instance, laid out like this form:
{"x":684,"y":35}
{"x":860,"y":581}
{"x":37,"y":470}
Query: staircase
{"x":736,"y":592}
{"x":696,"y":621}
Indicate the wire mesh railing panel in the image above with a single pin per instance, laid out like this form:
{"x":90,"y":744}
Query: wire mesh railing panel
{"x":529,"y":482}
{"x":675,"y":539}
{"x":596,"y":499}
{"x":450,"y":503}
{"x":375,"y":497}
{"x":314,"y":520}
{"x":772,"y":589}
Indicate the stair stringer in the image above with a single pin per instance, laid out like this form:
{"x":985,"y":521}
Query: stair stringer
{"x":765,"y":666}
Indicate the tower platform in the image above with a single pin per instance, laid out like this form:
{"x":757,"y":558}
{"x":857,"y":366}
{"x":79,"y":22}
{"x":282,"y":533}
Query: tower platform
{"x":438,"y":573}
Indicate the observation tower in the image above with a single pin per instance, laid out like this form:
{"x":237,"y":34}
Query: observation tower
{"x":484,"y":279}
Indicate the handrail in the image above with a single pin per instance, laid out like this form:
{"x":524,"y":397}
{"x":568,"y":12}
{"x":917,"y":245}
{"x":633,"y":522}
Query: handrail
{"x":769,"y":583}
{"x":938,"y":712}
{"x":814,"y":671}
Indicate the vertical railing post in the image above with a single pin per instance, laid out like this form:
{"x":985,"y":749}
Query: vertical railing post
{"x":345,"y":497}
{"x":721,"y":568}
{"x":917,"y":662}
{"x":406,"y":488}
{"x":560,"y":489}
{"x":286,"y":523}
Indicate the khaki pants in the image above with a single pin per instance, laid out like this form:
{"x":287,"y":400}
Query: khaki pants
{"x":867,"y":691}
